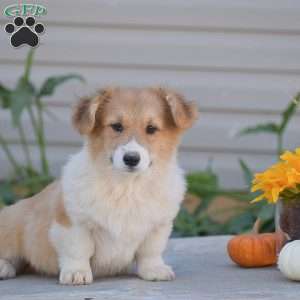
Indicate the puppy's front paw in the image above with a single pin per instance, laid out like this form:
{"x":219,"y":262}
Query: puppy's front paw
{"x":157,"y":273}
{"x":7,"y":270}
{"x":75,"y":277}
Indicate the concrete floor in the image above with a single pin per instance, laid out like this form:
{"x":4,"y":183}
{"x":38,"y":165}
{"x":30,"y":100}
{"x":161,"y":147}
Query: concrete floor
{"x":203,"y":272}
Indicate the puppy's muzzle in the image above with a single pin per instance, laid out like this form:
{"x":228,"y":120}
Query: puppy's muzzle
{"x":131,"y":159}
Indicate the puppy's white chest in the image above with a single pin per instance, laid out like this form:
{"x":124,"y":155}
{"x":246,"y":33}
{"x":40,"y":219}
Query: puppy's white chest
{"x":119,"y":235}
{"x":121,"y":214}
{"x":131,"y":216}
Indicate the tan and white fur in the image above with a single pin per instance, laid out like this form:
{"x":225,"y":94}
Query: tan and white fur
{"x":106,"y":213}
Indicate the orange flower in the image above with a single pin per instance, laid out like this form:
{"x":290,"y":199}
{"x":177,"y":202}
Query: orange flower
{"x":280,"y":177}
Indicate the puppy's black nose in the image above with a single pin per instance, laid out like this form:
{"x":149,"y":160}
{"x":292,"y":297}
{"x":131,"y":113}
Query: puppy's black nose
{"x":131,"y":159}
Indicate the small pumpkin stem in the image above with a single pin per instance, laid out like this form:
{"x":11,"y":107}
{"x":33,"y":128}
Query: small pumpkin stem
{"x":256,"y":226}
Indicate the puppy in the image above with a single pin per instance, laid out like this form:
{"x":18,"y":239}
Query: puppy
{"x":117,"y":198}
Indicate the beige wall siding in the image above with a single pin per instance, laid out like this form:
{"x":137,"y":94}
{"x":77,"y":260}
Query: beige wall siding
{"x":239,"y":59}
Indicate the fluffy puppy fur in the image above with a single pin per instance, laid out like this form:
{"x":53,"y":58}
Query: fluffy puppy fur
{"x":116,"y":200}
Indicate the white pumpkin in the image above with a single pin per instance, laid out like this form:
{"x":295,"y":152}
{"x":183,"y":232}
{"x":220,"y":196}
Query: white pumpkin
{"x":289,"y":260}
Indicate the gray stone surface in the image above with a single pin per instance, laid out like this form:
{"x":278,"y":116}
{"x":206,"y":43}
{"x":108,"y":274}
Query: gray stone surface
{"x":203,"y":272}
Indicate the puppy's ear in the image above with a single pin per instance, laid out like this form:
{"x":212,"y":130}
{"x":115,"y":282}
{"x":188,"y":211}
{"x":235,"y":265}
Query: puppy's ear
{"x":184,"y":113}
{"x":85,"y":112}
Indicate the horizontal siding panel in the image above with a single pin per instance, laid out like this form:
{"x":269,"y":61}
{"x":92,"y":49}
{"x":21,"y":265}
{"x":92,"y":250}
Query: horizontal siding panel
{"x":224,"y":164}
{"x":239,"y":59}
{"x":272,"y":15}
{"x":212,"y":131}
{"x":163,"y":49}
{"x":216,"y":91}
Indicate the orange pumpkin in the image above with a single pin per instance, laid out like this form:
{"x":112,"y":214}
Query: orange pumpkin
{"x":254,"y":249}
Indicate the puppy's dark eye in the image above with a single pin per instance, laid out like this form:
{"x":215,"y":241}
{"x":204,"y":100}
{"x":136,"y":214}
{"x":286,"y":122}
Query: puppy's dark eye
{"x":118,"y":127}
{"x":150,"y":129}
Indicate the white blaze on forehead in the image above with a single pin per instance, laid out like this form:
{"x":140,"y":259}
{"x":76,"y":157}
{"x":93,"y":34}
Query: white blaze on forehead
{"x":131,"y":146}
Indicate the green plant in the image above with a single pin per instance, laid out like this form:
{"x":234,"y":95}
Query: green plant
{"x":244,"y":220}
{"x":26,"y":98}
{"x":277,"y":129}
{"x":205,"y":186}
{"x":202,"y":221}
{"x":263,"y":212}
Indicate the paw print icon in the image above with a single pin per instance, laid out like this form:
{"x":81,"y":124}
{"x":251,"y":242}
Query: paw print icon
{"x":24,"y":32}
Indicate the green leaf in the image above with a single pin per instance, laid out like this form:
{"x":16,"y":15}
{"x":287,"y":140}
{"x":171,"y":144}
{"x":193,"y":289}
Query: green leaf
{"x":51,"y":83}
{"x":291,"y":193}
{"x":22,"y":95}
{"x":242,"y":196}
{"x":21,"y":98}
{"x":260,"y":128}
{"x":7,"y":195}
{"x":296,"y":99}
{"x":288,"y":113}
{"x":203,"y":184}
{"x":266,"y":212}
{"x":241,"y":223}
{"x":4,"y":96}
{"x":28,"y":65}
{"x":185,"y":224}
{"x":206,"y":226}
{"x":248,"y":174}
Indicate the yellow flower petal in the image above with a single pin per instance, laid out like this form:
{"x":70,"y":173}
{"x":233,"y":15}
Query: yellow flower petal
{"x":281,"y":176}
{"x":257,"y":199}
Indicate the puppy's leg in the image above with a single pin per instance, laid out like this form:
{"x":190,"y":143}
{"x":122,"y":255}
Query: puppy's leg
{"x":74,"y":247}
{"x":7,"y":269}
{"x":11,"y":236}
{"x":150,"y":264}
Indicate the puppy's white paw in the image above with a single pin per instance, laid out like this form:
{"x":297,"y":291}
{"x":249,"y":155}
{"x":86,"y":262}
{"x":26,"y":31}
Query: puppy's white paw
{"x":157,"y":273}
{"x":75,"y":277}
{"x":7,"y":270}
